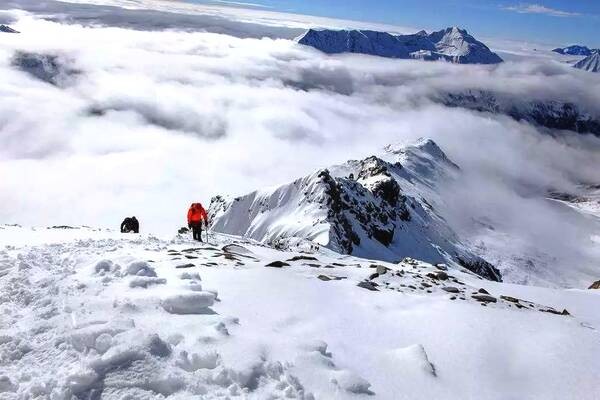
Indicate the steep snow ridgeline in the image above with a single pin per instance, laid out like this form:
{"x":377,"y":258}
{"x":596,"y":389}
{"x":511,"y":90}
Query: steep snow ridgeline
{"x":451,"y":44}
{"x":545,"y":113}
{"x":378,"y":208}
{"x":94,"y":314}
{"x":590,"y":63}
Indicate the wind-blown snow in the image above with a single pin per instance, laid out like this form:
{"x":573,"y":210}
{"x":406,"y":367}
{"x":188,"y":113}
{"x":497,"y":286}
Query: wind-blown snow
{"x":324,"y":326}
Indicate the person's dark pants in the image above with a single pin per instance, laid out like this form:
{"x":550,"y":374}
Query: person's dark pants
{"x":197,"y":232}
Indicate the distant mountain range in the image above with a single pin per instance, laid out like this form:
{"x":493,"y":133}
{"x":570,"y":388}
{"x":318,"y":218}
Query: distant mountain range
{"x":451,"y":44}
{"x":552,"y":114}
{"x":381,"y":208}
{"x":575,"y":50}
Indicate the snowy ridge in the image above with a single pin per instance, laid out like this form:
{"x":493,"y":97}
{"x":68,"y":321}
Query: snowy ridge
{"x":590,"y":63}
{"x":378,"y":208}
{"x":451,"y":44}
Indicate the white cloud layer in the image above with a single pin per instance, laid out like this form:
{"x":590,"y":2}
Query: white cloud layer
{"x":525,"y":8}
{"x":145,"y":122}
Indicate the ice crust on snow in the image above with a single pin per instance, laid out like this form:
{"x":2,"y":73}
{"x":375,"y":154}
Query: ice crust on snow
{"x":451,"y":44}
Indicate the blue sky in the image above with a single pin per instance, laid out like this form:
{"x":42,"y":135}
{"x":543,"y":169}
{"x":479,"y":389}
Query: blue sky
{"x":544,"y":21}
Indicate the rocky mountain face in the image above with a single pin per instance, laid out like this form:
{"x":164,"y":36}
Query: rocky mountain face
{"x":376,"y":208}
{"x":590,"y":63}
{"x":548,"y":114}
{"x":574,"y":50}
{"x":451,"y":44}
{"x":7,"y":29}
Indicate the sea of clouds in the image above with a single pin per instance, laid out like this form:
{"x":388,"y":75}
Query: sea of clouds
{"x":135,"y":121}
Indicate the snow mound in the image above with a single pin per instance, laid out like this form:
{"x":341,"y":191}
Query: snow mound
{"x":146,"y":281}
{"x":188,"y":303}
{"x":140,"y":268}
{"x":451,"y":44}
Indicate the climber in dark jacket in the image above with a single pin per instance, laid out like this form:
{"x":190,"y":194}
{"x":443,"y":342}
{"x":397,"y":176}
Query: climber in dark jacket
{"x":130,"y":224}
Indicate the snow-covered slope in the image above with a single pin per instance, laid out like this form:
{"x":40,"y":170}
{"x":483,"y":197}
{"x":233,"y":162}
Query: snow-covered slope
{"x":90,"y":314}
{"x":451,"y":44}
{"x":574,"y":50}
{"x":379,"y":208}
{"x":590,"y":63}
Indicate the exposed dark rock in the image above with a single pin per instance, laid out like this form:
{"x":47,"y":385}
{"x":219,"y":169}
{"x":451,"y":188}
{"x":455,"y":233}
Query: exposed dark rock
{"x":183,"y":266}
{"x":381,"y":270}
{"x":482,"y":268}
{"x":451,"y":289}
{"x":324,"y":278}
{"x":372,"y":286}
{"x":595,"y":285}
{"x":442,"y":276}
{"x":277,"y":264}
{"x":49,"y":68}
{"x":301,"y":258}
{"x":510,"y":299}
{"x":482,"y":291}
{"x":7,"y":29}
{"x":484,"y":298}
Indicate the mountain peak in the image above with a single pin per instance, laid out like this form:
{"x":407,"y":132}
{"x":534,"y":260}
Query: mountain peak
{"x":7,"y":29}
{"x":372,"y":208}
{"x":451,"y":44}
{"x":591,"y":63}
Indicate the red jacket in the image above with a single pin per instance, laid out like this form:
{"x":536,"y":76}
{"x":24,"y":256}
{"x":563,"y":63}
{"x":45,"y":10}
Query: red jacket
{"x":197,"y":214}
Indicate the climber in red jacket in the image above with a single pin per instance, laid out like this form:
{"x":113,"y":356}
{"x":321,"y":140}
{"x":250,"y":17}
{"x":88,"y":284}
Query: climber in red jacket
{"x":197,"y":214}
